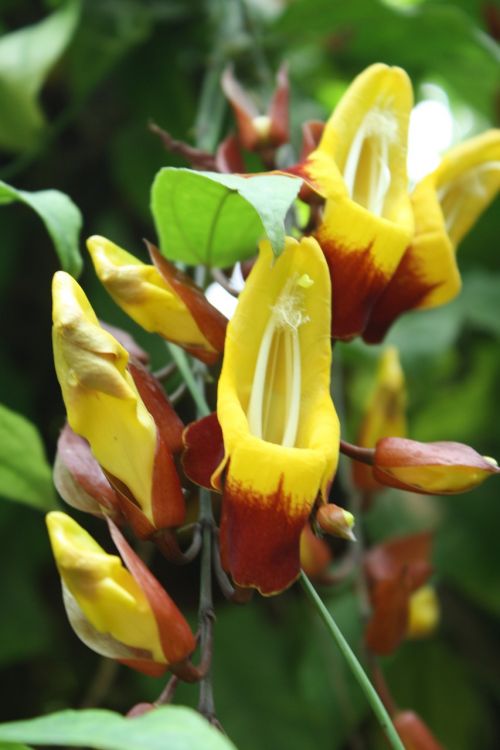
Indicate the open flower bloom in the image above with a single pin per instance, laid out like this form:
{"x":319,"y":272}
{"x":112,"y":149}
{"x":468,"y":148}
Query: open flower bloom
{"x":259,"y":131}
{"x":446,"y":204}
{"x":279,"y":425}
{"x":360,"y":168}
{"x":119,"y":612}
{"x":384,"y":415}
{"x":394,"y":570}
{"x":160,"y":298}
{"x":105,"y":404}
{"x":442,"y":468}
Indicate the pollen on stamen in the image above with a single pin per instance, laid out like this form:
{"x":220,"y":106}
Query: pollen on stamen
{"x":288,"y":311}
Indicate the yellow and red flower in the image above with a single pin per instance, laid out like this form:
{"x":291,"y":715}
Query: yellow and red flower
{"x":278,"y":422}
{"x":359,"y":167}
{"x":442,"y":468}
{"x":160,"y":298}
{"x":118,"y":407}
{"x":119,"y":612}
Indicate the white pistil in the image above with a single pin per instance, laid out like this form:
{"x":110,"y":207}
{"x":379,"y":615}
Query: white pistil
{"x":377,"y":131}
{"x":279,"y":347}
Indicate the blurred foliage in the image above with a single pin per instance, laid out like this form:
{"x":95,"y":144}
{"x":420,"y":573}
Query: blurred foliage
{"x":76,"y":96}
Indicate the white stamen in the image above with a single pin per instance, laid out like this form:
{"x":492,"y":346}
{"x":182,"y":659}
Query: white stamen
{"x":280,"y":340}
{"x":381,"y":126}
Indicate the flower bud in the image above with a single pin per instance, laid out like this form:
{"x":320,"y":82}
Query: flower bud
{"x":441,"y":468}
{"x":159,"y":298}
{"x":315,"y":554}
{"x":104,"y":396}
{"x":336,"y":521}
{"x":384,"y":415}
{"x":119,"y":612}
{"x":423,"y":613}
{"x":257,"y":130}
{"x":414,"y":733}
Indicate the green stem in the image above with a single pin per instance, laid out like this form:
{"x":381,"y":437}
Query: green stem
{"x":356,"y":668}
{"x":182,"y":362}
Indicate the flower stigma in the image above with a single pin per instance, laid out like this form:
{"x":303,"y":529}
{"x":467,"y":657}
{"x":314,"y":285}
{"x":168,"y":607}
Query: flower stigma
{"x":367,"y":174}
{"x":274,"y":405}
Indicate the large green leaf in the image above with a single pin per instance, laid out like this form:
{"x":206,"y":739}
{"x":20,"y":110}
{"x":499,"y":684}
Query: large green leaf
{"x":172,"y":727}
{"x":26,"y":57}
{"x":25,"y":475}
{"x":61,"y":217}
{"x":217,"y":219}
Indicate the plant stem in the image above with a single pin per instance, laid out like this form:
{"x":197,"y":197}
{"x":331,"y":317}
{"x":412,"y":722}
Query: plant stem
{"x":182,"y":362}
{"x":356,"y":668}
{"x":206,"y":704}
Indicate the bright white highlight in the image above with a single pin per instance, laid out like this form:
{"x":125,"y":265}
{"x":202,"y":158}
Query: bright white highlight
{"x":430,"y":135}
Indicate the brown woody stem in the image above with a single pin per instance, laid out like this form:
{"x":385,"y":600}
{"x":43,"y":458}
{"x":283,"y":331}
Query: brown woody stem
{"x":364,"y":455}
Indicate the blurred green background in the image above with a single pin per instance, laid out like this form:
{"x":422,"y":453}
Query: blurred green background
{"x":75,"y":102}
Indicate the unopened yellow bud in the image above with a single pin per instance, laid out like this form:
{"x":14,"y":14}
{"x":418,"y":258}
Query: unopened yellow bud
{"x":441,"y":468}
{"x":423,"y":612}
{"x":107,"y":594}
{"x":102,"y":401}
{"x":142,"y":292}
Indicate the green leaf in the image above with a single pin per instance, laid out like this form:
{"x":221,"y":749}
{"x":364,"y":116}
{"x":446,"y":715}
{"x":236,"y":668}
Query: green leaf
{"x":61,"y":217}
{"x":26,"y":58}
{"x":172,"y":727}
{"x":218,"y":219}
{"x":25,"y":475}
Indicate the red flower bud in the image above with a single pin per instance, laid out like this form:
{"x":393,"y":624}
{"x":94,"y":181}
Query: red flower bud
{"x":430,"y":468}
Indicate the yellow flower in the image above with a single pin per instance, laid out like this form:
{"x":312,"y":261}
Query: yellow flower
{"x":279,"y":425}
{"x":120,"y":613}
{"x":446,"y":204}
{"x":104,"y":406}
{"x":360,"y":168}
{"x":384,"y":415}
{"x":159,"y":298}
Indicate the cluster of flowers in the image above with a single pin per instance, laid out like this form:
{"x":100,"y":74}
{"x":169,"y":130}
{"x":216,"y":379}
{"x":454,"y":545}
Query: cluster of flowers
{"x":371,"y":251}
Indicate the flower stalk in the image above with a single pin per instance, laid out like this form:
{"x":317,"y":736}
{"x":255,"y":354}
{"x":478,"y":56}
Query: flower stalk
{"x":354,"y":665}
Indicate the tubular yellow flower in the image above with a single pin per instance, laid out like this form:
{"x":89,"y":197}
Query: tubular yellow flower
{"x":104,"y":406}
{"x":119,"y":613}
{"x":446,"y":204}
{"x":385,"y":413}
{"x":360,"y":168}
{"x":279,"y":425}
{"x":159,"y":299}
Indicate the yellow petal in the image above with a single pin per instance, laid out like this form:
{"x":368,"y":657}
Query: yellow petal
{"x":106,"y":592}
{"x":366,"y":136}
{"x":102,"y":401}
{"x":280,"y":429}
{"x":142,"y":292}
